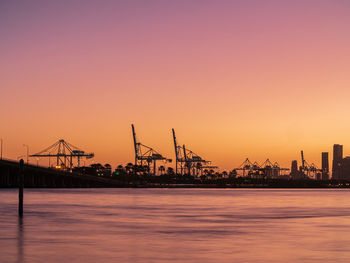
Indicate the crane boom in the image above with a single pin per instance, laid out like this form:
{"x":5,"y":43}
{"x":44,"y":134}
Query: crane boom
{"x":135,"y":142}
{"x":302,"y":159}
{"x":176,"y":150}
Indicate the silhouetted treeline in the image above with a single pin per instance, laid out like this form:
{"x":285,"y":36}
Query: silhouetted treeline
{"x":140,"y":176}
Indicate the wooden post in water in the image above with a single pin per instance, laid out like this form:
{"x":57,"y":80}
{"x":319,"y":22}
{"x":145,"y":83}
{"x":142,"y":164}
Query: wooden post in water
{"x":20,"y":188}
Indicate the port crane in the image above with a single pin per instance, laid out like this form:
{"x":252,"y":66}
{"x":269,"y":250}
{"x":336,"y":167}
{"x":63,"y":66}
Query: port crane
{"x":247,"y":165}
{"x":272,"y":170}
{"x":188,"y":161}
{"x":145,"y":154}
{"x":267,"y":169}
{"x":64,"y":153}
{"x":309,"y":170}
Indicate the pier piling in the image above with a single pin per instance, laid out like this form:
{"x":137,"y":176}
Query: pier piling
{"x":20,"y":188}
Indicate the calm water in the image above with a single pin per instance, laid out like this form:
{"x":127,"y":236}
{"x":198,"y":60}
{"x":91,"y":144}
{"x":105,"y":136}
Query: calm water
{"x":176,"y":225}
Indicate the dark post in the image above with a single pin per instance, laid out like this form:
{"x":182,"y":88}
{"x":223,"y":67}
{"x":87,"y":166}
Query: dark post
{"x":20,"y":188}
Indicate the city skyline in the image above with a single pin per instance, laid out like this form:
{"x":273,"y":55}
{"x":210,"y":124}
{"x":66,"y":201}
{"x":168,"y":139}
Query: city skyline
{"x":235,"y":79}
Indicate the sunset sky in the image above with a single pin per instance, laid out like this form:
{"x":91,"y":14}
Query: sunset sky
{"x":236,"y":79}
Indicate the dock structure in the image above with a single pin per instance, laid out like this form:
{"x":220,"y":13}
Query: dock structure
{"x":20,"y":187}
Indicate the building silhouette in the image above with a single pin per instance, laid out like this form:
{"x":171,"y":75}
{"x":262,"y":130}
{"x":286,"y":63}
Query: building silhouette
{"x":294,"y":170}
{"x":345,"y":169}
{"x":325,"y":166}
{"x":337,"y":159}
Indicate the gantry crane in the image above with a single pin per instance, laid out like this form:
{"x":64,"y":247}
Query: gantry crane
{"x":266,"y":170}
{"x":64,"y":153}
{"x":272,"y":170}
{"x":247,"y":165}
{"x":145,"y":154}
{"x":188,"y":160}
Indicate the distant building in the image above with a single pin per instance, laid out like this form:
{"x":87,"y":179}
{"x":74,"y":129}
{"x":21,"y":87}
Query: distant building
{"x":294,"y":170}
{"x":345,"y":169}
{"x":325,"y":166}
{"x":337,"y":159}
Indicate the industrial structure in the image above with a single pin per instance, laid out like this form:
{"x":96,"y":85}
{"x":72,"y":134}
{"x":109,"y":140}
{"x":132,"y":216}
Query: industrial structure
{"x":145,"y":155}
{"x":266,"y":170}
{"x":190,"y":168}
{"x":187,"y":161}
{"x":67,"y":158}
{"x":309,"y":170}
{"x":64,"y":153}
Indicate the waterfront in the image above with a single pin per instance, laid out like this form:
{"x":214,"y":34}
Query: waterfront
{"x":176,"y":225}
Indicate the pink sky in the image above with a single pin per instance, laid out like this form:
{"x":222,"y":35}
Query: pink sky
{"x":236,"y":79}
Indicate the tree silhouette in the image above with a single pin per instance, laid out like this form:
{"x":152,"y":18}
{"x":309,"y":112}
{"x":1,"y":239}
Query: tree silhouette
{"x":170,"y":171}
{"x":129,"y":168}
{"x":161,"y":169}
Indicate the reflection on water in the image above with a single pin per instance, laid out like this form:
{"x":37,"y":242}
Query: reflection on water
{"x":20,"y":230}
{"x":176,"y":225}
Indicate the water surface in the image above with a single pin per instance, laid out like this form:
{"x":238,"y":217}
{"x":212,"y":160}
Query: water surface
{"x":175,"y":225}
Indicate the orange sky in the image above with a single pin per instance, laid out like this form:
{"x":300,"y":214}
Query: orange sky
{"x":236,"y":79}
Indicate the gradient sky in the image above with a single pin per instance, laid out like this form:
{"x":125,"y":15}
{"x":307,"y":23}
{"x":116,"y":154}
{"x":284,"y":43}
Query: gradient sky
{"x":236,"y":79}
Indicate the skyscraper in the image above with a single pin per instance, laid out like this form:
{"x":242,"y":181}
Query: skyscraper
{"x":337,"y":158}
{"x":294,"y":169}
{"x":345,"y":169}
{"x":325,"y":166}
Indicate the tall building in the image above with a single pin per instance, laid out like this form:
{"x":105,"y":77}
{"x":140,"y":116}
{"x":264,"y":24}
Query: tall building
{"x":345,"y":169}
{"x":294,"y":169}
{"x":337,"y":158}
{"x":325,"y":166}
